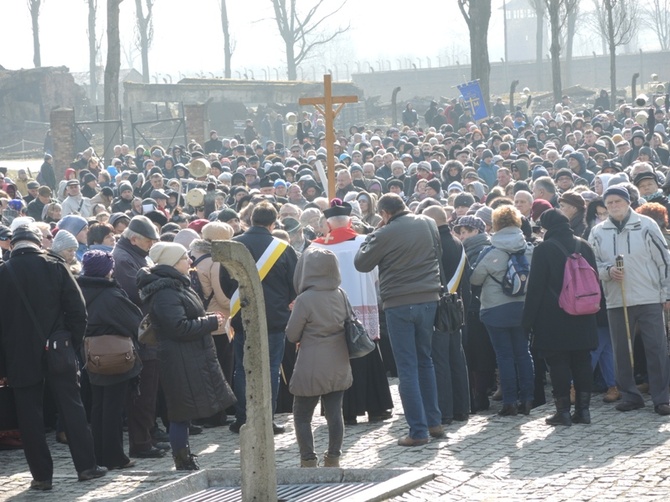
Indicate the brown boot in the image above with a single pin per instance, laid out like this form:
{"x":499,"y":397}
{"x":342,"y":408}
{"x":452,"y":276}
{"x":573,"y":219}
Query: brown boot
{"x":572,"y":394}
{"x":612,"y":395}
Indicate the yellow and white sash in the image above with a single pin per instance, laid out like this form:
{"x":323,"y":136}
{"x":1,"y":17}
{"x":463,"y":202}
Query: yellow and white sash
{"x":263,"y":265}
{"x":452,"y":285}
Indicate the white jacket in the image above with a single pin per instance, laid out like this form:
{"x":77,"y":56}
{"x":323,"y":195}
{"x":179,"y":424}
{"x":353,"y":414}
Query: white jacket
{"x":646,"y":261}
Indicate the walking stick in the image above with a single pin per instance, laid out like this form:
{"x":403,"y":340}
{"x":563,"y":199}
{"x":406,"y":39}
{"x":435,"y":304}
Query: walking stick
{"x":619,"y":265}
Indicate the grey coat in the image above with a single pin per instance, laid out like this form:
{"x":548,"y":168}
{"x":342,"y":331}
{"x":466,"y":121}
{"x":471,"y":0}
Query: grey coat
{"x":317,"y":323}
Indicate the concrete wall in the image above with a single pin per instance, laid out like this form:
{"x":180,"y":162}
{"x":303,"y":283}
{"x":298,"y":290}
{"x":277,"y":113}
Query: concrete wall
{"x":587,"y":72}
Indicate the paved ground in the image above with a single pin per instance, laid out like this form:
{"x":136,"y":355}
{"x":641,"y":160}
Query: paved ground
{"x":620,"y":456}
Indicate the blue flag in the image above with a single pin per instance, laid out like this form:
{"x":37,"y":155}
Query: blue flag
{"x":473,"y":99}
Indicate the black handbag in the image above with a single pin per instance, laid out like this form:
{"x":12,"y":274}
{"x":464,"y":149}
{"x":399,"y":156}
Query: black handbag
{"x":358,"y":341}
{"x":59,"y":354}
{"x":449,"y":314}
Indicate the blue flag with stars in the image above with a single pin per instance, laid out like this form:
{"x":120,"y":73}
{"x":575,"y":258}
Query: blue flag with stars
{"x":473,"y":99}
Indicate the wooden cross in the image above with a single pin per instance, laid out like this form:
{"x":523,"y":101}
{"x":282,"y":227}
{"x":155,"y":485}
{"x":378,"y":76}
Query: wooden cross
{"x":325,"y":106}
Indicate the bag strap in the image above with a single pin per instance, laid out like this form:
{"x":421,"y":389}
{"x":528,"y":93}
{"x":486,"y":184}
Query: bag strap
{"x":25,"y":301}
{"x":560,"y":246}
{"x":347,"y":304}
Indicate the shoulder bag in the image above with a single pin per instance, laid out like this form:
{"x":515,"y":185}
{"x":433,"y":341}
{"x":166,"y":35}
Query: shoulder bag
{"x":358,"y":341}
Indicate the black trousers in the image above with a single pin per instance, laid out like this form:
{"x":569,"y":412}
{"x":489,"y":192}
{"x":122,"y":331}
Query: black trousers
{"x":566,"y":366}
{"x":29,"y":401}
{"x":107,"y":423}
{"x":141,"y":410}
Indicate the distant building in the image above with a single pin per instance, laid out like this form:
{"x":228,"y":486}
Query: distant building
{"x":520,"y":30}
{"x":125,"y":75}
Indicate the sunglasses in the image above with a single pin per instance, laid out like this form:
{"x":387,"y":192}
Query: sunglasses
{"x":48,"y":237}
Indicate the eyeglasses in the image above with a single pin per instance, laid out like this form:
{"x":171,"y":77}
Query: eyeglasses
{"x":48,"y":237}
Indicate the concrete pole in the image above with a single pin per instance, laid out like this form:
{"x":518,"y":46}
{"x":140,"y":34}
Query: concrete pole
{"x":257,"y":449}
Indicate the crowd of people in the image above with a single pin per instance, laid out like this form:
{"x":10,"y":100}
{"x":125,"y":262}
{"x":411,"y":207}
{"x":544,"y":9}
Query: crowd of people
{"x":491,"y":211}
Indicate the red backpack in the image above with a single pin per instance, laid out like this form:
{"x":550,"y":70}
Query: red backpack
{"x":580,"y":294}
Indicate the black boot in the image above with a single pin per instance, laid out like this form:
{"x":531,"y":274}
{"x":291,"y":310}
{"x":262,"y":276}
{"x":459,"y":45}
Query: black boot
{"x":508,"y":410}
{"x":582,"y":415}
{"x":562,"y":415}
{"x":184,"y":460}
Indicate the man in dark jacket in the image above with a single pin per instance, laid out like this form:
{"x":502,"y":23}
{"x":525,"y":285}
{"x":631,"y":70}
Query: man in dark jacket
{"x":278,"y":292}
{"x":130,"y":255}
{"x":47,"y":177}
{"x":406,"y":249}
{"x":23,"y":337}
{"x":451,"y":371}
{"x":36,"y":207}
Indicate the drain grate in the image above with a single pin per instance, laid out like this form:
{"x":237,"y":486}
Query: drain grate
{"x":322,"y":492}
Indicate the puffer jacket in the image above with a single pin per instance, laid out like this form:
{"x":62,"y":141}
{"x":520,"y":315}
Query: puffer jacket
{"x":208,"y":273}
{"x":190,"y":373}
{"x":110,"y":312}
{"x":646,"y":260}
{"x":492,"y":266}
{"x":322,"y":365}
{"x":406,"y":250}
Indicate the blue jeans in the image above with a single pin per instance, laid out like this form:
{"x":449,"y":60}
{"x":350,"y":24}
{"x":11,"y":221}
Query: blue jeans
{"x":410,"y":329}
{"x":276,"y":348}
{"x":514,"y":361}
{"x":604,"y":356}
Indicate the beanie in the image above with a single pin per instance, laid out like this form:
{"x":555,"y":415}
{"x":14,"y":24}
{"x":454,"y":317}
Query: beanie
{"x":485,"y":214}
{"x":62,"y":241}
{"x":72,"y":223}
{"x":185,"y":236}
{"x":464,"y":200}
{"x":539,"y":206}
{"x":166,"y":253}
{"x":617,"y":190}
{"x":27,"y":233}
{"x":97,"y":263}
{"x":435,"y":185}
{"x":455,"y":185}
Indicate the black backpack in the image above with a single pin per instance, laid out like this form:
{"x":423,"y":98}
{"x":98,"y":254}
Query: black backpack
{"x":195,"y":281}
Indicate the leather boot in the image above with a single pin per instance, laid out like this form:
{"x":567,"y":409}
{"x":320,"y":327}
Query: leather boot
{"x":582,"y":415}
{"x":562,"y":415}
{"x":184,"y":460}
{"x":508,"y":410}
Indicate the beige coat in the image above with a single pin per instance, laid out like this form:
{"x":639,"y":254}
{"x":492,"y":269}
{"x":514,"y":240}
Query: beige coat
{"x":208,"y":273}
{"x":317,"y":323}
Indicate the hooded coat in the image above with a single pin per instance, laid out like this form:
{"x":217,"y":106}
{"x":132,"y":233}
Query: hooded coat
{"x":553,"y":328}
{"x":322,"y":365}
{"x":190,"y":373}
{"x":208,"y":273}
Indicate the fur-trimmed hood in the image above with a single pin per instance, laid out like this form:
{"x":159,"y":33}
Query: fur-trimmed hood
{"x":151,"y":280}
{"x":200,"y":247}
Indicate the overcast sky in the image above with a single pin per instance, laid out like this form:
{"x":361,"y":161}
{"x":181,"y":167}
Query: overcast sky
{"x":188,"y":36}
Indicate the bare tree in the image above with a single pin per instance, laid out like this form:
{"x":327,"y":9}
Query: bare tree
{"x":112,"y":70}
{"x":618,"y":23}
{"x":558,"y":10}
{"x":303,"y":32}
{"x":540,"y":8}
{"x":228,"y":43}
{"x":34,"y":7}
{"x":572,"y":11}
{"x":93,"y":49}
{"x":477,"y":15}
{"x":657,"y":15}
{"x":145,"y":33}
